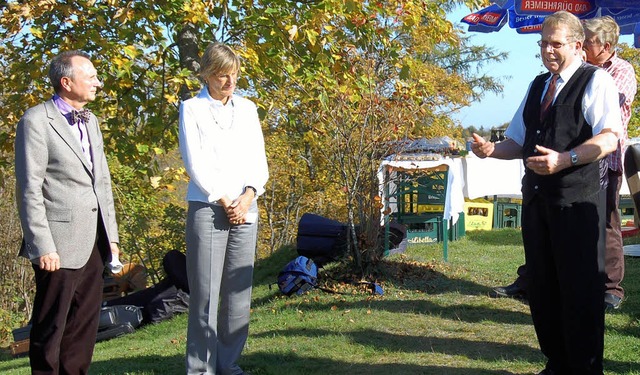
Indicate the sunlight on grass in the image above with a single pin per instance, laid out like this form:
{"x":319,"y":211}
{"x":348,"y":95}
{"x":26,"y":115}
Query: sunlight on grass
{"x":434,"y":318}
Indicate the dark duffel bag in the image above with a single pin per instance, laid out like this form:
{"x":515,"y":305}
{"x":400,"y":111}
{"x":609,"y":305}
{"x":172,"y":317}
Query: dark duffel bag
{"x":111,"y":316}
{"x":159,"y":302}
{"x":114,"y":331}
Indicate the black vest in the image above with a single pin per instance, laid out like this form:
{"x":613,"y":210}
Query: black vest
{"x":563,"y":129}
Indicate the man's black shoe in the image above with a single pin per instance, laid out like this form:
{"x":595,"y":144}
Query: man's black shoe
{"x":611,"y":301}
{"x":512,"y":291}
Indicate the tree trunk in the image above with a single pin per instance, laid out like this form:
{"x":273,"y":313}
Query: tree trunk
{"x":187,"y":40}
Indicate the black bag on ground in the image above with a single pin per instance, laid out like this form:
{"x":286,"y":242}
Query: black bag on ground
{"x":114,"y":331}
{"x":159,"y":302}
{"x":320,"y":239}
{"x":118,"y":320}
{"x":166,"y":304}
{"x":111,"y":316}
{"x":114,"y":321}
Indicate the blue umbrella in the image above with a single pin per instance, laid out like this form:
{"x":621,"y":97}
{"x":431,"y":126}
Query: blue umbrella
{"x":526,"y":16}
{"x":489,"y":19}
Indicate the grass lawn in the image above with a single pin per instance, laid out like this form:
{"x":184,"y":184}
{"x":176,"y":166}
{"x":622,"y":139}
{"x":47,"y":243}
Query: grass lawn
{"x":434,"y":318}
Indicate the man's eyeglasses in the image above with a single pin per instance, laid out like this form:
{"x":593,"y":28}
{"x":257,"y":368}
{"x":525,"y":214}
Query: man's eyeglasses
{"x":555,"y":45}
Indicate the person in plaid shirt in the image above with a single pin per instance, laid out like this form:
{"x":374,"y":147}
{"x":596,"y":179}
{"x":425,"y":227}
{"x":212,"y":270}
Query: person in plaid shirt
{"x":601,"y":38}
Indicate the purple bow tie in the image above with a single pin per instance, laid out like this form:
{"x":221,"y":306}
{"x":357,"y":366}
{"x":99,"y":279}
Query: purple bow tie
{"x":83,"y":115}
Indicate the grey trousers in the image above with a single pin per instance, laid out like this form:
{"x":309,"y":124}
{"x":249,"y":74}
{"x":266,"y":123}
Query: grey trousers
{"x":220,"y":260}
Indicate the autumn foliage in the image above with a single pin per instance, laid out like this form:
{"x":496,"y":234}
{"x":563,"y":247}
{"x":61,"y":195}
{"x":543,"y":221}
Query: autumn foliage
{"x":333,"y":79}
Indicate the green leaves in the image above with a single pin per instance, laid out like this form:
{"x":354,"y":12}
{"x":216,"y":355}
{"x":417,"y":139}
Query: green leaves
{"x":332,"y":79}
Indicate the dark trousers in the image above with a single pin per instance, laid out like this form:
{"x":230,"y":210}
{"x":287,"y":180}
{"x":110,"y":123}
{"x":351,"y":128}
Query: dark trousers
{"x":614,"y":255}
{"x":564,"y":251}
{"x":66,"y":312}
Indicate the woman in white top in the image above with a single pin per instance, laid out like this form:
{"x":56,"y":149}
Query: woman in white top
{"x":222,"y":147}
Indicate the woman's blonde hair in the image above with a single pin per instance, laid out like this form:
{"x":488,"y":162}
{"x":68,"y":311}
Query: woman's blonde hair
{"x":218,"y":58}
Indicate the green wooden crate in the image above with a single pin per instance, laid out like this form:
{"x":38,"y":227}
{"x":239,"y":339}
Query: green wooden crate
{"x":507,"y":215}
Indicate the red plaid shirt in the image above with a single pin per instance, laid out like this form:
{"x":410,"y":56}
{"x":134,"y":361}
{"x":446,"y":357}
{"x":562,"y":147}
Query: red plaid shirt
{"x":625,"y":77}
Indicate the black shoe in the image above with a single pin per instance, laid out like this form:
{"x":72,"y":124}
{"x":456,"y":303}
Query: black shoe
{"x":611,"y":301}
{"x":511,"y":291}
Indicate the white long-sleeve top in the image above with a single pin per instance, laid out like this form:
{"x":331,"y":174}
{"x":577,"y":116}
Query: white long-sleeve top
{"x":222,"y":147}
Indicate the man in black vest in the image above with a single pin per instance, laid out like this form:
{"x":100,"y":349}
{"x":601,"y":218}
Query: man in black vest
{"x":569,"y":119}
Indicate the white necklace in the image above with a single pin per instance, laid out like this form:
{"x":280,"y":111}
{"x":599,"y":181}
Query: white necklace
{"x":233,"y":115}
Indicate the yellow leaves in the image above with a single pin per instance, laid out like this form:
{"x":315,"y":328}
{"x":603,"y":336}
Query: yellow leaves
{"x":310,"y":137}
{"x":195,"y":12}
{"x":123,"y":15}
{"x":36,"y":32}
{"x":130,"y":51}
{"x":249,"y":55}
{"x":118,"y":61}
{"x":180,"y":174}
{"x":171,"y":98}
{"x":311,"y":36}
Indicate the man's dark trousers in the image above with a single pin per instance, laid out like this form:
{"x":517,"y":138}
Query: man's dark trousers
{"x":614,"y":255}
{"x":66,"y":313}
{"x":564,"y":250}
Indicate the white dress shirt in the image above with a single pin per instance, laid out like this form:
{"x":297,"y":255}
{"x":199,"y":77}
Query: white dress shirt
{"x":600,"y":105}
{"x":222,"y":147}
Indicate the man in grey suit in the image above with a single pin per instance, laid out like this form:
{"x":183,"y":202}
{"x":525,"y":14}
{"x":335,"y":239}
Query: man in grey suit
{"x":67,"y":214}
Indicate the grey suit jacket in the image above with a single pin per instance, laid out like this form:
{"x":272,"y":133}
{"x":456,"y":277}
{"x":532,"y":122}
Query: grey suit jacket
{"x":64,"y":206}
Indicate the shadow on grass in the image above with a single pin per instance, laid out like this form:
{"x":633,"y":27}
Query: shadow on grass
{"x":385,"y":341}
{"x":619,"y":367}
{"x":424,"y":277}
{"x":146,"y":364}
{"x":273,"y":364}
{"x":458,"y":312}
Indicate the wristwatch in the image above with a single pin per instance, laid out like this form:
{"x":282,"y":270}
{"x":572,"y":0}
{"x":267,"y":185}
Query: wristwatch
{"x":574,"y":157}
{"x":255,"y":192}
